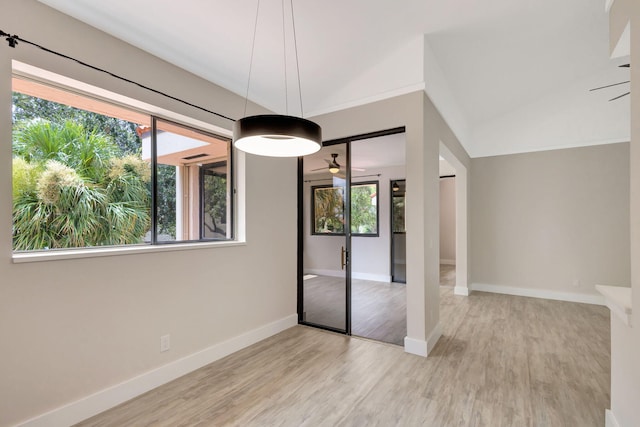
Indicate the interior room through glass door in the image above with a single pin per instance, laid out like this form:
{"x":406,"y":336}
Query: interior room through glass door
{"x":325,"y":251}
{"x":378,"y":297}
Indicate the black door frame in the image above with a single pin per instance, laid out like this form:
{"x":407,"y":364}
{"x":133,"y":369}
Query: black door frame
{"x":347,"y":214}
{"x":393,"y":233}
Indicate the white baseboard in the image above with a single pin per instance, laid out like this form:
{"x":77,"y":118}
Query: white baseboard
{"x":414,"y":346}
{"x":420,"y":347}
{"x":539,"y":293}
{"x":448,"y":261}
{"x":373,"y":277}
{"x":610,"y":419}
{"x":96,"y":403}
{"x":354,"y":275}
{"x":461,"y":290}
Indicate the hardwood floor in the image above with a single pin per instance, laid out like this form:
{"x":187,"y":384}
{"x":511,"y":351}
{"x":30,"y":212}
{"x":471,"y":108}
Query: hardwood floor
{"x":502,"y":361}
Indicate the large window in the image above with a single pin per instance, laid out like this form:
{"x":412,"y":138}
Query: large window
{"x":90,"y":173}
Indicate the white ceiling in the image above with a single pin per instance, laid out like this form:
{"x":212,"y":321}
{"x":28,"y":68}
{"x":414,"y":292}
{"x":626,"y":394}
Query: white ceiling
{"x":512,"y":75}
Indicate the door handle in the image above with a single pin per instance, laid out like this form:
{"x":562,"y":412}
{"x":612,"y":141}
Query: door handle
{"x":343,"y":258}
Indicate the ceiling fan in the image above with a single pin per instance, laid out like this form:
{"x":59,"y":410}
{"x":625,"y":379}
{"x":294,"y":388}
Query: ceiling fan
{"x":615,"y":84}
{"x":333,"y":165}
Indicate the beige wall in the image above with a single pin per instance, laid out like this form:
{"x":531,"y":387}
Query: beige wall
{"x":548,"y":219}
{"x":448,"y":220}
{"x":70,"y":328}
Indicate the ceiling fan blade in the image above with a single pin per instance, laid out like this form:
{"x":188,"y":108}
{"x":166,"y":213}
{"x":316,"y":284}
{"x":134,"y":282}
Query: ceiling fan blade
{"x":625,"y":66}
{"x":604,"y":87}
{"x":618,"y":97}
{"x":324,"y":168}
{"x":358,"y":169}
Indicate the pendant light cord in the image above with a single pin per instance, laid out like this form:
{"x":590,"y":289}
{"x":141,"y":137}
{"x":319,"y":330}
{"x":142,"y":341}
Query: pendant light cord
{"x":253,"y":46}
{"x":13,"y":42}
{"x":295,"y":45}
{"x":284,"y":48}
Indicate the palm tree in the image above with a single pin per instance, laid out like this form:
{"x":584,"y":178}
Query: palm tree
{"x":72,"y":188}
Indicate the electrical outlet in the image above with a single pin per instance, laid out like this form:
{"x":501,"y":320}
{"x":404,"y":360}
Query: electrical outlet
{"x":165,"y":343}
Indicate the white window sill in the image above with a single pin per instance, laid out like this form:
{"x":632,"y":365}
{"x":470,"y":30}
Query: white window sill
{"x":618,"y":299}
{"x":55,"y":255}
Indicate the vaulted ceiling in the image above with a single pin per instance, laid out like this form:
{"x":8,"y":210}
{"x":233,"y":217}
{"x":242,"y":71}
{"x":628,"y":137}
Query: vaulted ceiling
{"x":508,"y":75}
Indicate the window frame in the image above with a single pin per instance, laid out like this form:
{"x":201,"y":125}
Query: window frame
{"x":39,"y":76}
{"x":314,"y":231}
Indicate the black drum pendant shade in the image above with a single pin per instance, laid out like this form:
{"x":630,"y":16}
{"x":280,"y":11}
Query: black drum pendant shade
{"x":277,"y":135}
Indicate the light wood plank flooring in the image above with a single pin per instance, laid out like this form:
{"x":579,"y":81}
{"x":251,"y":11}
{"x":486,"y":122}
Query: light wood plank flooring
{"x":502,"y":361}
{"x":379,"y":310}
{"x":447,"y":275}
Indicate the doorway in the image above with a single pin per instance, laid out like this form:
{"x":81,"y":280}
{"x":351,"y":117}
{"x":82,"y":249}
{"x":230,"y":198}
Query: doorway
{"x":460,"y":190}
{"x":345,"y":198}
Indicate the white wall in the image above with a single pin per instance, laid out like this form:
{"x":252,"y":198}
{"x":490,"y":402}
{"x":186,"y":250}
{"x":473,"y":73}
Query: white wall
{"x":553,"y":221}
{"x":370,"y":256}
{"x":73,"y":327}
{"x":447,"y":220}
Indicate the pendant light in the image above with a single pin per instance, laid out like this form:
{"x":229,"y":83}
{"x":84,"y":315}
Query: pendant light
{"x":277,"y":135}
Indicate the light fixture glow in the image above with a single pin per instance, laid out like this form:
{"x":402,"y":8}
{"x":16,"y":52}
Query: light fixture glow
{"x":334,"y":166}
{"x":277,"y":136}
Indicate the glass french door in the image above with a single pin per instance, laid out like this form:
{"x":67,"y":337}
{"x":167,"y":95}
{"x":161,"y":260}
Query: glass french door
{"x":324,"y":298}
{"x":345,"y":280}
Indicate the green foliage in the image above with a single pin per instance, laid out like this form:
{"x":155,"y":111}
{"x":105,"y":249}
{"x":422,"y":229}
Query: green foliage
{"x":364,"y":213}
{"x":215,"y":203}
{"x":88,"y":152}
{"x":73,"y":188}
{"x":25,"y":176}
{"x":123,"y":133}
{"x":70,"y":220}
{"x":329,"y":209}
{"x":166,"y":200}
